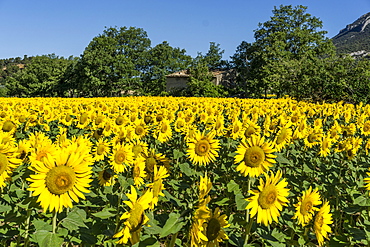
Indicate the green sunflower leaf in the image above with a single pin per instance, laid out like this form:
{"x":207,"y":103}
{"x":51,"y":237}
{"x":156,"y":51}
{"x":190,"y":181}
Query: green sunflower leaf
{"x":173,"y":224}
{"x":74,"y":219}
{"x":51,"y":240}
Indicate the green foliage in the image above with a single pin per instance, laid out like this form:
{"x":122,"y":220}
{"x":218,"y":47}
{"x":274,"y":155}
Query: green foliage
{"x":40,"y":77}
{"x":112,"y":63}
{"x":290,"y":40}
{"x":161,"y":61}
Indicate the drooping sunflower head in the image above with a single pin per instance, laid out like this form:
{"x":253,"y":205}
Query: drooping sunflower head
{"x":322,"y":221}
{"x":254,"y":156}
{"x":139,"y":148}
{"x":105,"y":177}
{"x":214,"y":231}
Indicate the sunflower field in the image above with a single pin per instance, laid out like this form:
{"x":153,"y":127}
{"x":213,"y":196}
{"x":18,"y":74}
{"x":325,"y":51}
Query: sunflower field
{"x":163,"y":171}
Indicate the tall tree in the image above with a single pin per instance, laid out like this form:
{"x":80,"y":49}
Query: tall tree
{"x":39,"y":78}
{"x":113,"y":62}
{"x":290,"y":35}
{"x":213,"y":57}
{"x":162,"y":60}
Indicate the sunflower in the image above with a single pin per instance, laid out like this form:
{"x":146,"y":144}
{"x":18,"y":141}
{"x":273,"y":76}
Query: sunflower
{"x":60,"y":179}
{"x":250,"y":128}
{"x":205,"y":186}
{"x":152,"y":158}
{"x":163,"y":131}
{"x":139,"y":148}
{"x":365,"y":128}
{"x":8,"y":162}
{"x":325,"y":145}
{"x":270,"y":125}
{"x":313,"y":137}
{"x":348,"y":130}
{"x":255,"y":156}
{"x":335,"y":131}
{"x":140,"y":129}
{"x":300,"y":131}
{"x":305,"y":207}
{"x":367,"y":180}
{"x":235,"y":129}
{"x":101,"y":149}
{"x":122,"y":157}
{"x":135,"y":218}
{"x":138,"y":171}
{"x":203,"y":148}
{"x":105,"y":177}
{"x":219,"y":125}
{"x":214,"y":229}
{"x":160,"y":172}
{"x":180,"y":125}
{"x":24,"y":148}
{"x":283,"y":137}
{"x":270,"y":198}
{"x":39,"y":152}
{"x":321,"y":224}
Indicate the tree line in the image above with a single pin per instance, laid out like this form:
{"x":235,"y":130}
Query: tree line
{"x":290,"y":56}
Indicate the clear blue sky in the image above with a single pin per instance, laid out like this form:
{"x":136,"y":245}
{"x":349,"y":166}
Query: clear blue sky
{"x":40,"y":27}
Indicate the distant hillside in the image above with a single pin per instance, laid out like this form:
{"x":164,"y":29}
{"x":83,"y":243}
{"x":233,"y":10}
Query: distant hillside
{"x":355,"y":38}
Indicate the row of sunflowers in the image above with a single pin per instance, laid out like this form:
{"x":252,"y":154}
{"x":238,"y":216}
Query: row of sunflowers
{"x":162,"y":171}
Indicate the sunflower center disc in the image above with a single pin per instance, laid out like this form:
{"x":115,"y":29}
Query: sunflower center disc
{"x":306,"y":207}
{"x":100,"y":149}
{"x":319,"y":221}
{"x":157,"y":185}
{"x":149,"y":163}
{"x":60,"y":179}
{"x":98,"y":120}
{"x":366,"y":128}
{"x":267,"y":197}
{"x":249,"y":131}
{"x":136,"y":171}
{"x":254,"y":156}
{"x":83,"y":118}
{"x":120,"y":157}
{"x":139,"y":130}
{"x":3,"y":163}
{"x":282,"y":136}
{"x":213,"y":229}
{"x":137,"y":149}
{"x":136,"y":217}
{"x":40,"y":156}
{"x":311,"y":138}
{"x":106,"y":175}
{"x":164,"y":128}
{"x":8,"y":126}
{"x":202,"y":147}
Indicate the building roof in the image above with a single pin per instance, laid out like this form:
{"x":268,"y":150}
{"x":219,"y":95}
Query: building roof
{"x":185,"y":73}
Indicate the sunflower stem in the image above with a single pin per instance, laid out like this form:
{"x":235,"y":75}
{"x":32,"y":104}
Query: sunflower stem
{"x":247,"y":216}
{"x":248,"y":231}
{"x":55,"y":221}
{"x":173,"y":239}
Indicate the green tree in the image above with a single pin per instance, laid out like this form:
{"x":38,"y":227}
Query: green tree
{"x":113,"y":62}
{"x":39,"y":78}
{"x":162,"y":60}
{"x":290,"y":35}
{"x":213,"y":57}
{"x":240,"y":62}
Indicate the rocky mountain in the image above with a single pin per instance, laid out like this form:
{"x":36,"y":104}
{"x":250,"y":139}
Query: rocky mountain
{"x":354,"y":39}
